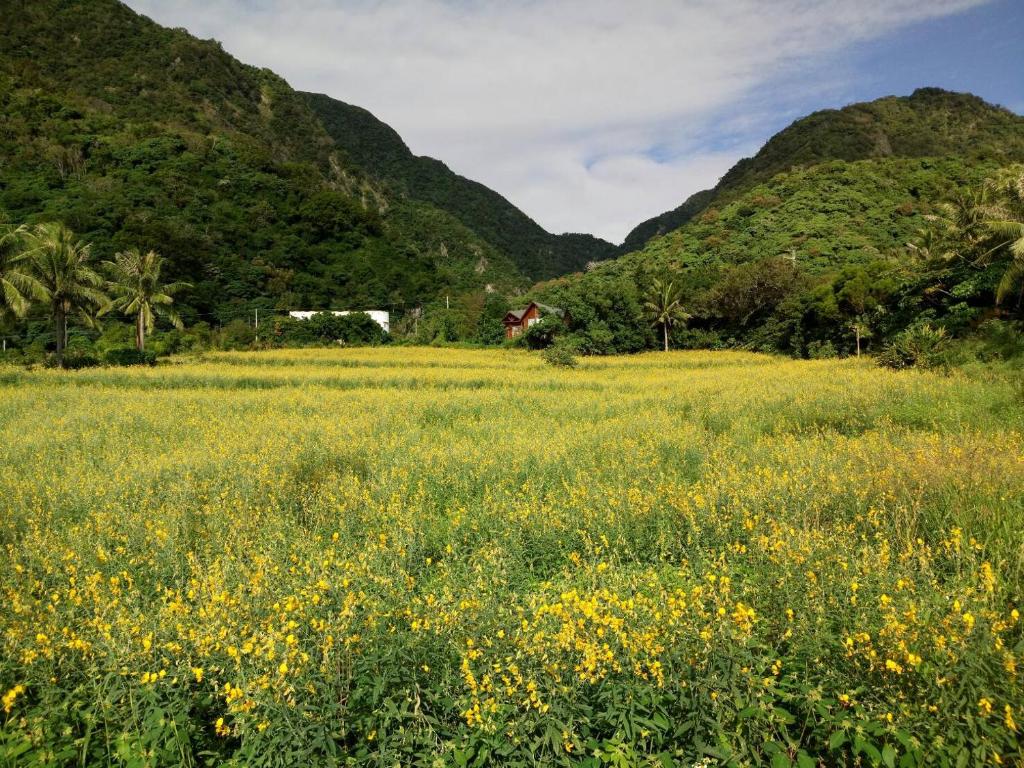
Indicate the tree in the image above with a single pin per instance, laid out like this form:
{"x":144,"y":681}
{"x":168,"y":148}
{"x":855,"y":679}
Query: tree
{"x":17,"y":285}
{"x":137,"y":290}
{"x":1005,"y":220}
{"x":66,"y":279}
{"x":664,"y":307}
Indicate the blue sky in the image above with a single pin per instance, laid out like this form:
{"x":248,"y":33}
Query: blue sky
{"x":592,"y":115}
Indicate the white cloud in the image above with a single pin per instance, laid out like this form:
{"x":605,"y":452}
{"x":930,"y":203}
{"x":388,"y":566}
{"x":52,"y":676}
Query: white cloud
{"x":554,"y":103}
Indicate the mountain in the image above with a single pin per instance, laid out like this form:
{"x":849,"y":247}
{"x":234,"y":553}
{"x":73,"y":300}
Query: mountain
{"x":799,"y":242}
{"x":931,"y":122}
{"x":379,"y":151}
{"x":138,"y":135}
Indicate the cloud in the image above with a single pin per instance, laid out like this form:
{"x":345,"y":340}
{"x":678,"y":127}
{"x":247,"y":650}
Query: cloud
{"x":591,"y":115}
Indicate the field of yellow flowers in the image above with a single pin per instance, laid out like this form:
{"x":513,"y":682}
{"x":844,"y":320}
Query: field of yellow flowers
{"x":426,"y":557}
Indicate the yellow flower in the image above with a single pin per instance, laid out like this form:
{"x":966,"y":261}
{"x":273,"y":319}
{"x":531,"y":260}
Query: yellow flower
{"x":893,"y":666}
{"x":1008,"y":718}
{"x":984,"y":707}
{"x":11,"y":695}
{"x":220,"y":728}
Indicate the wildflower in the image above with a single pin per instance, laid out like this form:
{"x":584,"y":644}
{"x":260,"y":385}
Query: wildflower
{"x":220,"y":728}
{"x":988,"y":578}
{"x":1011,"y":724}
{"x":11,"y":695}
{"x":984,"y":707}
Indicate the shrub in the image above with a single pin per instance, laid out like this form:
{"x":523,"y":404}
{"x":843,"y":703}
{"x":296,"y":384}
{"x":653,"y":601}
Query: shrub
{"x":129,"y":356}
{"x":542,"y":334}
{"x":821,"y":350}
{"x":920,"y":346}
{"x":74,"y":359}
{"x":561,"y":354}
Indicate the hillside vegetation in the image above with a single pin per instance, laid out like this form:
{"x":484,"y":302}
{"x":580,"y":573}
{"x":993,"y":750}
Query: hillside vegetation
{"x":380,"y":152}
{"x":829,"y":256}
{"x":136,"y":135}
{"x":930,"y":122}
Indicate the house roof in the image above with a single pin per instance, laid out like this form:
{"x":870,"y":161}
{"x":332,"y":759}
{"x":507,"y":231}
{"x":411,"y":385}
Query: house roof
{"x":517,"y":314}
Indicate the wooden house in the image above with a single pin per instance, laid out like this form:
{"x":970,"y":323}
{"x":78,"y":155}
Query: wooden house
{"x":518,"y":320}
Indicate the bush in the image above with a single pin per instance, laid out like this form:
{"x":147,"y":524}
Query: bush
{"x":561,"y":354}
{"x":326,"y":328}
{"x":74,"y":359}
{"x":821,"y":350}
{"x":542,"y":333}
{"x":129,"y":356}
{"x":920,"y":346}
{"x":237,"y":334}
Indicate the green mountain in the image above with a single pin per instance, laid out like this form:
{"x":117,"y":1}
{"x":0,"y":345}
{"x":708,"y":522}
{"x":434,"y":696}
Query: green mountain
{"x":379,"y":151}
{"x":797,"y":243}
{"x":930,"y":122}
{"x":138,"y":135}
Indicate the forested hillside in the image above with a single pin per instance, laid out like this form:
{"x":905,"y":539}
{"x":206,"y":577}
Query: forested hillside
{"x":850,"y":225}
{"x":929,"y":123}
{"x":379,"y":151}
{"x":137,"y":135}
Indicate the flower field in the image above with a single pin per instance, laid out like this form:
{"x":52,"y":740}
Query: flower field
{"x":424,"y":557}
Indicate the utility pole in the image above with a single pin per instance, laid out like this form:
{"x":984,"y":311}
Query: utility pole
{"x":257,"y":323}
{"x":446,"y":305}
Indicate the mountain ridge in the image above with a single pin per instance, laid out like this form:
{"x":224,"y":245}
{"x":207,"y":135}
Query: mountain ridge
{"x":889,"y":126}
{"x":381,"y":152}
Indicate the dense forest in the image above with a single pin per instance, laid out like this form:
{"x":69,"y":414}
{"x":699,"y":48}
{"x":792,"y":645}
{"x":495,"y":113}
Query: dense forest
{"x":834,"y":239}
{"x":848,"y":229}
{"x":136,"y":135}
{"x":380,"y":152}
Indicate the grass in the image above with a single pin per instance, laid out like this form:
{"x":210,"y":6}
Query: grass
{"x":438,"y":557}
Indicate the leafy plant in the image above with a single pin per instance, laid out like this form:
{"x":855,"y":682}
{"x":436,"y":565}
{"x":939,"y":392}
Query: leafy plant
{"x":920,"y":346}
{"x":561,"y":354}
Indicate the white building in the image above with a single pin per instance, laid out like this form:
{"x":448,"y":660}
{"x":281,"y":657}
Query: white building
{"x":379,"y":316}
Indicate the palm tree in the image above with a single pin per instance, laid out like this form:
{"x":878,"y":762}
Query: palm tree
{"x":664,"y":307}
{"x":66,"y":279}
{"x":17,"y":285}
{"x":1006,"y":222}
{"x":137,"y":290}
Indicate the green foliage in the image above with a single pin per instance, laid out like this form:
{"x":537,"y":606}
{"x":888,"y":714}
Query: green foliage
{"x":138,"y":136}
{"x":560,"y":354}
{"x":920,"y":346}
{"x":380,"y":152}
{"x":357,"y":328}
{"x":129,"y":356}
{"x":928,"y":123}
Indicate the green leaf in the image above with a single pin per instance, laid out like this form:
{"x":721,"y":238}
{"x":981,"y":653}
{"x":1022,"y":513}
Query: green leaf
{"x":889,"y":756}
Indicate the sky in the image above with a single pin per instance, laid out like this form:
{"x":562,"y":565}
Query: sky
{"x":594,"y":115}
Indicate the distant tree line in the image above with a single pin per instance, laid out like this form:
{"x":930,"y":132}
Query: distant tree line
{"x":962,"y":274}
